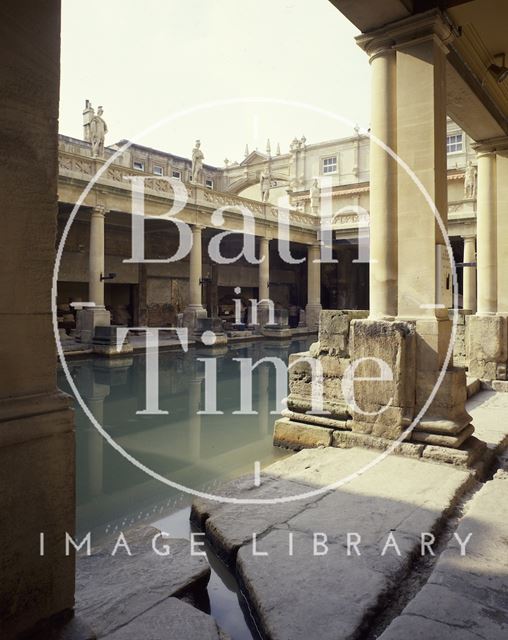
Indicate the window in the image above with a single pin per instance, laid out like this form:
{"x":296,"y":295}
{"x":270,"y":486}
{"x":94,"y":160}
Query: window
{"x":138,"y":165}
{"x":454,"y":143}
{"x":330,"y":164}
{"x":177,"y":174}
{"x":209,"y":183}
{"x":158,"y":170}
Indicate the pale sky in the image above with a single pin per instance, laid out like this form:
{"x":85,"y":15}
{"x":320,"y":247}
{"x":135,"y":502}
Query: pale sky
{"x":146,"y":59}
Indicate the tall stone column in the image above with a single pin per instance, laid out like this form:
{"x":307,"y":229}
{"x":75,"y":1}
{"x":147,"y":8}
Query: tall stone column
{"x":415,"y":347}
{"x":487,"y":332}
{"x":486,"y":233}
{"x":313,"y":308}
{"x":195,"y":309}
{"x":469,"y":275}
{"x":502,"y":231}
{"x":96,"y":257}
{"x":37,"y":440}
{"x":96,"y":316}
{"x":383,"y":186}
{"x":264,"y":281}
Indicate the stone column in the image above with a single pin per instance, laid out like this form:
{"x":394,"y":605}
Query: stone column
{"x":96,"y":257}
{"x":37,"y":440}
{"x":195,"y":309}
{"x":264,"y":281}
{"x":264,"y":269}
{"x":97,"y":316}
{"x":383,"y":187}
{"x":502,"y":232}
{"x":313,"y":308}
{"x":487,"y":332}
{"x":486,"y":234}
{"x":469,"y":275}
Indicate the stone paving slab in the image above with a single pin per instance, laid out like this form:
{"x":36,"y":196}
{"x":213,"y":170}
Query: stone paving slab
{"x":489,"y":411}
{"x":112,"y":591}
{"x":293,"y":596}
{"x":173,"y":619}
{"x":466,"y":597}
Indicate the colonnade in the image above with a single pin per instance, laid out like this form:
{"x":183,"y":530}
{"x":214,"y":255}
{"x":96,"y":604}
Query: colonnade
{"x":195,"y":308}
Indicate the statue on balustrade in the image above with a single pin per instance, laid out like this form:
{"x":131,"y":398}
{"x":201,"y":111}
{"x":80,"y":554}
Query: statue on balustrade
{"x":197,"y":163}
{"x":98,"y":130}
{"x":470,"y":181}
{"x":315,"y":194}
{"x":265,"y":182}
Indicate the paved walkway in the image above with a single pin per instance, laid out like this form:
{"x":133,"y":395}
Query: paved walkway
{"x":466,"y":598}
{"x":143,"y":595}
{"x":303,"y":576}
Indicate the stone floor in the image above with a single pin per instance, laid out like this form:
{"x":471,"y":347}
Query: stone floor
{"x":144,"y":595}
{"x":300,"y":587}
{"x":466,"y":600}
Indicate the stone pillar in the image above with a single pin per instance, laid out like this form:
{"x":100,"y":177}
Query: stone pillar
{"x":486,"y":234}
{"x":502,"y":232}
{"x":97,"y":316}
{"x":264,"y":269}
{"x":487,"y":332}
{"x":264,"y":281}
{"x":96,"y":257}
{"x":37,"y":440}
{"x":469,"y":275}
{"x":415,"y":347}
{"x":383,"y":186}
{"x":313,"y":308}
{"x":195,"y":308}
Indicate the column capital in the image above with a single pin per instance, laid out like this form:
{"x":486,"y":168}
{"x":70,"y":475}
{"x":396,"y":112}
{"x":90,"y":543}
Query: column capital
{"x":417,"y":28}
{"x":198,"y":227}
{"x":99,"y":210}
{"x":491,"y":146}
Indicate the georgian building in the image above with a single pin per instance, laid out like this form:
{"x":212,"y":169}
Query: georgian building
{"x":155,"y":294}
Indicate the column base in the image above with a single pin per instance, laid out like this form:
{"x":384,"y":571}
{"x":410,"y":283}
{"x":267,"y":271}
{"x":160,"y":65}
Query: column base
{"x":37,"y":441}
{"x":89,"y":318}
{"x":375,"y":406}
{"x":312,"y":313}
{"x":191,"y":315}
{"x":487,"y":347}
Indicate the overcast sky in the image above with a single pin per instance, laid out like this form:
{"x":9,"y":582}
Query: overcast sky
{"x":144,"y":60}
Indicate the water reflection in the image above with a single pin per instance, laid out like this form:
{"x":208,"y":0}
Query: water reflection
{"x":198,"y":451}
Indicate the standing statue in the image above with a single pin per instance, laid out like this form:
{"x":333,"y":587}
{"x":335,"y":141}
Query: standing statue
{"x":197,"y":163}
{"x":470,"y":181}
{"x":265,"y":182}
{"x":98,"y":130}
{"x":315,"y":193}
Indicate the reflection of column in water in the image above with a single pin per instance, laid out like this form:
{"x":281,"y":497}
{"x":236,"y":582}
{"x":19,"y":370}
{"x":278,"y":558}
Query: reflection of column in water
{"x":194,"y":417}
{"x":94,"y":394}
{"x":263,"y":407}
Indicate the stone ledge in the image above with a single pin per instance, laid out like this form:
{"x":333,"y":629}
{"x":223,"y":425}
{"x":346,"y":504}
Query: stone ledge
{"x":347,"y":440}
{"x":443,"y":440}
{"x":495,"y":385}
{"x":465,"y":456}
{"x":298,"y":435}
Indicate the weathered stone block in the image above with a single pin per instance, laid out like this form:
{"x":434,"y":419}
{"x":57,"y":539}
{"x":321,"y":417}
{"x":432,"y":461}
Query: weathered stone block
{"x":394,"y":344}
{"x":432,"y":343}
{"x":487,"y":347}
{"x":381,"y":421}
{"x":297,"y":435}
{"x":451,"y":393}
{"x":334,"y":331}
{"x":348,"y":439}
